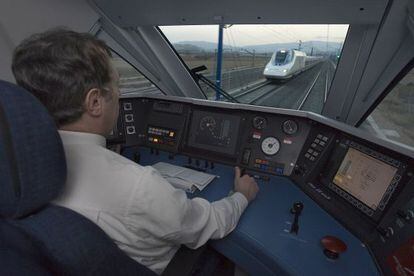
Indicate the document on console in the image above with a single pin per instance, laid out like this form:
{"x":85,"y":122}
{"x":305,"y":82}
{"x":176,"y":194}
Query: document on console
{"x":184,"y":178}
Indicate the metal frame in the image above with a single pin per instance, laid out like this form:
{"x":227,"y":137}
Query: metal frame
{"x":355,"y":54}
{"x":392,"y":51}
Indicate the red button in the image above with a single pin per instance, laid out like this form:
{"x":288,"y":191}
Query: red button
{"x":333,"y":246}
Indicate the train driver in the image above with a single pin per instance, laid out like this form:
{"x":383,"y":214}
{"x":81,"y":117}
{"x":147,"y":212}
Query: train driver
{"x":72,"y":75}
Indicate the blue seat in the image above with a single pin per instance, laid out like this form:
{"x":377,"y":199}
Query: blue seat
{"x":36,"y":237}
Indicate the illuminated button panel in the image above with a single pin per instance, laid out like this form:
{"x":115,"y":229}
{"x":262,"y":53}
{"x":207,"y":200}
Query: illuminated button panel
{"x":316,"y":148}
{"x":162,"y":136}
{"x":269,"y":166}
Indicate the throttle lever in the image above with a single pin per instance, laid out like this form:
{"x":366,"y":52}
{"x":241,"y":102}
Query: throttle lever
{"x":296,"y":210}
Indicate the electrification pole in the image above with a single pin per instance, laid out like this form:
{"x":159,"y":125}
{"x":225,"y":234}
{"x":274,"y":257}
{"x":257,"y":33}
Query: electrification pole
{"x":219,"y":61}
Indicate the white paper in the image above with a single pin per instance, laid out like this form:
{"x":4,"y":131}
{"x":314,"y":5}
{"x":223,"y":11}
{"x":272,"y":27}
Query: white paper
{"x":184,"y":178}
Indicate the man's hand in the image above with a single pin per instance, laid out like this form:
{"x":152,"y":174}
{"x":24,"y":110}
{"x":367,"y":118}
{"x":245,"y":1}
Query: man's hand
{"x":245,"y":184}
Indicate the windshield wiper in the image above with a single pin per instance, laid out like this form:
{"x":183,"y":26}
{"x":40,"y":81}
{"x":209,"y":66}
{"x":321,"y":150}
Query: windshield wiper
{"x":199,"y":77}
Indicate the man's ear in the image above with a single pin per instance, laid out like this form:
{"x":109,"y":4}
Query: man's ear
{"x":93,"y":102}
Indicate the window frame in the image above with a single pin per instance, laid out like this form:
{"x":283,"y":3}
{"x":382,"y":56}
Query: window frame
{"x":406,"y":69}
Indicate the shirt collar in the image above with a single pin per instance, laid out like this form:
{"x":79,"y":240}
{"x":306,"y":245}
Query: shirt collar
{"x":72,"y":137}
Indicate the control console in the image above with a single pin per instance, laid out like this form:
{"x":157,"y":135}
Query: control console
{"x":367,"y":184}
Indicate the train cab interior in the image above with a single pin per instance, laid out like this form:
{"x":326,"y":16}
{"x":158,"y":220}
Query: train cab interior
{"x":329,"y":139}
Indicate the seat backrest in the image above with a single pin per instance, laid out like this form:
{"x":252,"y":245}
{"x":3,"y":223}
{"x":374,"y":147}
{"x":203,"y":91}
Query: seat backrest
{"x":35,"y":234}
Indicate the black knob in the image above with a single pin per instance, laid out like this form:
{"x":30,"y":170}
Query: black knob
{"x":297,"y":208}
{"x":386,"y":232}
{"x":137,"y":157}
{"x":406,"y":215}
{"x":299,"y":170}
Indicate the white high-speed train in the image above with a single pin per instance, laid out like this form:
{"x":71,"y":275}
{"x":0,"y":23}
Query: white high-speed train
{"x":286,"y":63}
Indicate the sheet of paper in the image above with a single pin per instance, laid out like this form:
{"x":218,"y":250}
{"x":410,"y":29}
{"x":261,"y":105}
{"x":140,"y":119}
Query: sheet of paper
{"x":167,"y":169}
{"x":195,"y":176}
{"x":181,"y":184}
{"x":184,"y":178}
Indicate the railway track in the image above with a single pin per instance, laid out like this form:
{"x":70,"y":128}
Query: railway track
{"x":306,"y":91}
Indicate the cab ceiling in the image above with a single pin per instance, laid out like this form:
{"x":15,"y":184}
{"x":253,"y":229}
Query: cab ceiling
{"x":132,"y":13}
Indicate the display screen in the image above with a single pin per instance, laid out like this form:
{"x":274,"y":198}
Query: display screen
{"x":364,"y":177}
{"x":214,"y":132}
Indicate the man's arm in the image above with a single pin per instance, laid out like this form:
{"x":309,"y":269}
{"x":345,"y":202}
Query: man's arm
{"x":202,"y":220}
{"x":160,"y":211}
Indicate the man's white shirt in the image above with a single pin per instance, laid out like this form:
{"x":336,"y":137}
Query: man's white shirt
{"x":146,"y":217}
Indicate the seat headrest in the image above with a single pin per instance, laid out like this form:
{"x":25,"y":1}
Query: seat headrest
{"x":32,"y":160}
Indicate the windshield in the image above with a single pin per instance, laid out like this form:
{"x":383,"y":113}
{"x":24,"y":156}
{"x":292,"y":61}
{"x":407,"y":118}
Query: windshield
{"x":286,"y":66}
{"x":393,"y":118}
{"x":282,"y":57}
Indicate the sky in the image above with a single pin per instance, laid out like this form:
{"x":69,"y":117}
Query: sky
{"x":244,"y":35}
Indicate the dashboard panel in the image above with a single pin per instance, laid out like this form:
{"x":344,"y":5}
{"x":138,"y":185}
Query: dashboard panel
{"x":260,"y":142}
{"x":363,"y":182}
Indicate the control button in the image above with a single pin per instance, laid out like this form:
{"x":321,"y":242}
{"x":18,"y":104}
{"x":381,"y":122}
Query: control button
{"x":319,"y":136}
{"x":127,"y":106}
{"x":313,"y":145}
{"x":333,"y":247}
{"x":307,"y":155}
{"x":279,"y":171}
{"x":317,"y":141}
{"x":312,"y":158}
{"x":315,"y":153}
{"x":322,"y":143}
{"x":406,"y":215}
{"x":130,"y":130}
{"x":299,"y":170}
{"x":310,"y":150}
{"x":390,"y":232}
{"x":129,"y":118}
{"x":324,"y":138}
{"x":386,"y":233}
{"x":246,"y":156}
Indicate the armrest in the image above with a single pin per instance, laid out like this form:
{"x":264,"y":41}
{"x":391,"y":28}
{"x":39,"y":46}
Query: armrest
{"x":185,"y":261}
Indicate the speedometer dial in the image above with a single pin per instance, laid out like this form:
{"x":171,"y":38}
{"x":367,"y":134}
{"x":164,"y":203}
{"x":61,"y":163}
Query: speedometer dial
{"x":270,"y":145}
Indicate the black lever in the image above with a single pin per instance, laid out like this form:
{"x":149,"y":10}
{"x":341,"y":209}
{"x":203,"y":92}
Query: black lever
{"x":296,"y":210}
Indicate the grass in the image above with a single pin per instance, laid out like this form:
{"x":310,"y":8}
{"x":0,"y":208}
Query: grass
{"x":398,"y":106}
{"x":230,"y":61}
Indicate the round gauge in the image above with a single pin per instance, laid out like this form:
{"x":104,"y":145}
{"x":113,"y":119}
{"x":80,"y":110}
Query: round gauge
{"x":259,"y":122}
{"x":207,"y":122}
{"x":270,"y":145}
{"x":290,"y":127}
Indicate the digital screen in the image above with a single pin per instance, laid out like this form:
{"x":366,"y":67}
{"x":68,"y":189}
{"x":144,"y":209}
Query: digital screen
{"x":364,"y":177}
{"x":214,"y":132}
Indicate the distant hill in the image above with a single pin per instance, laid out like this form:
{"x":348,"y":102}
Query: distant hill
{"x":204,"y":45}
{"x":318,"y":47}
{"x":188,"y":48}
